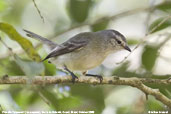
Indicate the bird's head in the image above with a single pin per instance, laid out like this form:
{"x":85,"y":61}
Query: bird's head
{"x":115,"y":39}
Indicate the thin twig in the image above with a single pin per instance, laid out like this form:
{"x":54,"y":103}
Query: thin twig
{"x":144,"y":39}
{"x":44,"y":98}
{"x":116,"y":16}
{"x":38,"y":11}
{"x":10,"y":49}
{"x":146,"y":23}
{"x":140,"y":43}
{"x":163,"y":21}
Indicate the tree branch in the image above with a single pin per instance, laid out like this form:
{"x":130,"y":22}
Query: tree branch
{"x":113,"y":80}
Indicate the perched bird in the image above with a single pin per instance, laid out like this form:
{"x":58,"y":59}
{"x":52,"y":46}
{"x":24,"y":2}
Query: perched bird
{"x":84,"y":51}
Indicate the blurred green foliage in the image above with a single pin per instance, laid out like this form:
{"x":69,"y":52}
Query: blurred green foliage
{"x":79,"y":9}
{"x":23,"y":96}
{"x":100,"y":25}
{"x":165,"y":6}
{"x":14,"y":10}
{"x":24,"y":43}
{"x":132,"y":42}
{"x":3,"y":5}
{"x":160,"y":24}
{"x":92,"y":97}
{"x":152,"y":105}
{"x":64,"y":103}
{"x":149,"y":57}
{"x":30,"y":68}
{"x":77,"y":97}
{"x":50,"y":69}
{"x":124,"y":110}
{"x":9,"y":67}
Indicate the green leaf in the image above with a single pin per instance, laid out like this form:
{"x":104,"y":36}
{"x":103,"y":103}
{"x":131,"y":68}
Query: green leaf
{"x":124,"y":110}
{"x":68,"y":103}
{"x":65,"y":103}
{"x":149,"y":57}
{"x":165,"y":89}
{"x":100,"y":24}
{"x":22,"y":99}
{"x":154,"y":105}
{"x":3,"y":5}
{"x":9,"y":67}
{"x":50,"y":96}
{"x":30,"y":68}
{"x":165,"y":6}
{"x":122,"y":71}
{"x":157,"y":26}
{"x":50,"y":69}
{"x":1,"y":109}
{"x":79,"y":9}
{"x":24,"y":43}
{"x":92,"y":97}
{"x":15,"y":11}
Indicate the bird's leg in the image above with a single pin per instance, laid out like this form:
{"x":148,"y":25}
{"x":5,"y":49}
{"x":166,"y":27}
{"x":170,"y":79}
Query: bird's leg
{"x":97,"y":76}
{"x":71,"y":73}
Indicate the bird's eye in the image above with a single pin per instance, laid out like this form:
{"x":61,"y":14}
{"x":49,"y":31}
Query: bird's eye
{"x":119,"y":42}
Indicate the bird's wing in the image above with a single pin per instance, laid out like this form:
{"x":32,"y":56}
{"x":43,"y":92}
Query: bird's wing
{"x":73,"y":44}
{"x":51,"y":44}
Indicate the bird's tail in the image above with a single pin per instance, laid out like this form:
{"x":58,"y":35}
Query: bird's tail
{"x":51,"y":44}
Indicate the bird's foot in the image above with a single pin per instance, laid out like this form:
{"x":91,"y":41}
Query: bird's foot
{"x":74,"y":77}
{"x":97,"y":76}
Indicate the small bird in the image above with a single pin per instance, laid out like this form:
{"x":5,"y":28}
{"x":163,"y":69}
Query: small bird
{"x":83,"y":51}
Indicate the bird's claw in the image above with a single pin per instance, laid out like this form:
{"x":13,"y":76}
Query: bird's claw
{"x":97,"y":76}
{"x":100,"y":78}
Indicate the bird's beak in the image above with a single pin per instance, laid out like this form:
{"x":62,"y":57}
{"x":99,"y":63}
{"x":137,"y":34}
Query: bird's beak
{"x":127,"y":48}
